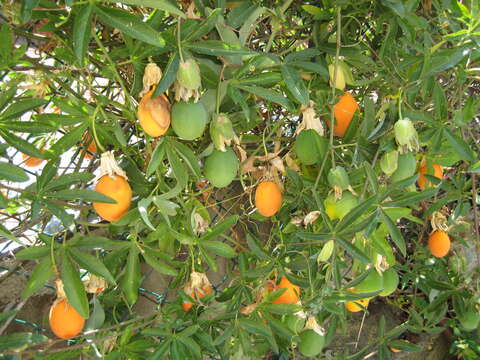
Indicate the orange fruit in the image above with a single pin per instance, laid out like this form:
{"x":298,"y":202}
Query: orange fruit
{"x":31,"y":161}
{"x":207,"y":290}
{"x":268,"y":198}
{"x":354,"y":306}
{"x":422,"y":180}
{"x":118,"y":189}
{"x":343,"y":111}
{"x":289,"y":296}
{"x":154,"y":114}
{"x":64,"y":320}
{"x":439,"y":243}
{"x":395,"y":350}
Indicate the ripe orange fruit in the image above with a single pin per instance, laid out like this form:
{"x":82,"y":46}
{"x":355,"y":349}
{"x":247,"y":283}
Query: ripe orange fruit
{"x":154,"y":114}
{"x":422,"y":180}
{"x":206,"y":290}
{"x":289,"y":296}
{"x":268,"y":198}
{"x":439,"y":243}
{"x":31,"y":161}
{"x":354,"y":306}
{"x":118,"y":189}
{"x":343,"y":110}
{"x":64,"y":320}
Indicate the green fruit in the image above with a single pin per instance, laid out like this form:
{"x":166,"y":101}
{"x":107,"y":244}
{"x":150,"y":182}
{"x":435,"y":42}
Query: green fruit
{"x":188,"y":74}
{"x":311,"y":343}
{"x":294,"y":323}
{"x":221,"y":167}
{"x":338,"y":209}
{"x":310,"y":147}
{"x":406,"y":167}
{"x":373,"y":282}
{"x":389,"y":162}
{"x":189,"y":120}
{"x":470,"y":320}
{"x":390,"y":282}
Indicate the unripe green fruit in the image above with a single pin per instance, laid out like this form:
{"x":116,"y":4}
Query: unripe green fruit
{"x":406,"y":167}
{"x":188,"y":74}
{"x":189,"y":120}
{"x":338,"y":209}
{"x":294,"y":323}
{"x":311,"y":343}
{"x":310,"y":147}
{"x":390,"y":282}
{"x":373,"y":282}
{"x":470,"y":320}
{"x":389,"y":162}
{"x":221,"y":167}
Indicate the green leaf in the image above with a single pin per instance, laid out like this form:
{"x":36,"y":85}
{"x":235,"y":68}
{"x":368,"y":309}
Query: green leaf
{"x":371,"y":176}
{"x":256,"y":249}
{"x":143,"y":210}
{"x":42,"y":272}
{"x":74,"y":288}
{"x":268,"y":95}
{"x":131,"y":25}
{"x":20,"y":107}
{"x":157,"y":158}
{"x":92,"y":264}
{"x":11,"y":172}
{"x":191,"y":345}
{"x":19,"y":341}
{"x":81,"y":194}
{"x":67,"y":180}
{"x":203,"y":27}
{"x":131,"y":276}
{"x":218,"y":248}
{"x":81,"y":31}
{"x":354,"y":252}
{"x":29,"y":127}
{"x":159,"y":266}
{"x":48,"y":173}
{"x":220,"y":228}
{"x":26,"y":10}
{"x":33,"y":252}
{"x":69,"y":140}
{"x":156,"y":4}
{"x":169,"y":74}
{"x":459,"y":145}
{"x":59,"y":212}
{"x":178,"y":168}
{"x":5,"y":315}
{"x":249,"y":24}
{"x":444,"y":60}
{"x":356,"y":212}
{"x":295,"y":84}
{"x":188,"y":156}
{"x":217,"y":48}
{"x":411,"y":198}
{"x":396,"y":6}
{"x":255,"y":327}
{"x":394,"y":233}
{"x":6,"y":45}
{"x":22,"y":145}
{"x":281,"y":309}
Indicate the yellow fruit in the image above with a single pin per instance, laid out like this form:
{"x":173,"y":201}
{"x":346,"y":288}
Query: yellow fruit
{"x":439,"y":243}
{"x":118,"y":189}
{"x":423,"y":170}
{"x":154,"y":114}
{"x":268,"y":198}
{"x":343,"y":111}
{"x":64,"y":320}
{"x":290,"y":295}
{"x":354,"y":306}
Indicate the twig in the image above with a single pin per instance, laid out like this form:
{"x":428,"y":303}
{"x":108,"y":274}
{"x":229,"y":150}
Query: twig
{"x":9,"y":320}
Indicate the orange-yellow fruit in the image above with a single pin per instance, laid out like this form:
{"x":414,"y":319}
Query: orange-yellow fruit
{"x":343,"y":110}
{"x":354,"y":306}
{"x":154,"y":114}
{"x":207,"y":290}
{"x":422,"y":180}
{"x":290,"y":295}
{"x":118,"y":189}
{"x":439,"y":243}
{"x":31,"y":161}
{"x":268,"y":198}
{"x":395,"y":350}
{"x":65,"y":321}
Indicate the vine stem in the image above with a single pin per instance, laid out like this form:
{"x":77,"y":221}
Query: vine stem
{"x":94,"y":130}
{"x":475,"y":213}
{"x":335,"y":72}
{"x":179,"y":39}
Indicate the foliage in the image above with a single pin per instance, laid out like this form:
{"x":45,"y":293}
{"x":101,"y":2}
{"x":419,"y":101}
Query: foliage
{"x":72,"y":70}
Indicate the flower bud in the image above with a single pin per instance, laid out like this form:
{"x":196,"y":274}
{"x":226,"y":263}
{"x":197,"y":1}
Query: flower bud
{"x":222,"y":133}
{"x":389,"y":162}
{"x":406,"y":135}
{"x":188,"y":74}
{"x":339,"y":82}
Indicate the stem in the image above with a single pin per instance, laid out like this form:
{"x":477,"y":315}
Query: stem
{"x":218,"y":90}
{"x":335,"y":71}
{"x":179,"y":40}
{"x":94,"y":130}
{"x":400,"y":96}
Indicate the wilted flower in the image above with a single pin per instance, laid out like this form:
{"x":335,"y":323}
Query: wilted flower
{"x":222,"y":133}
{"x":406,"y":136}
{"x":389,"y":162}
